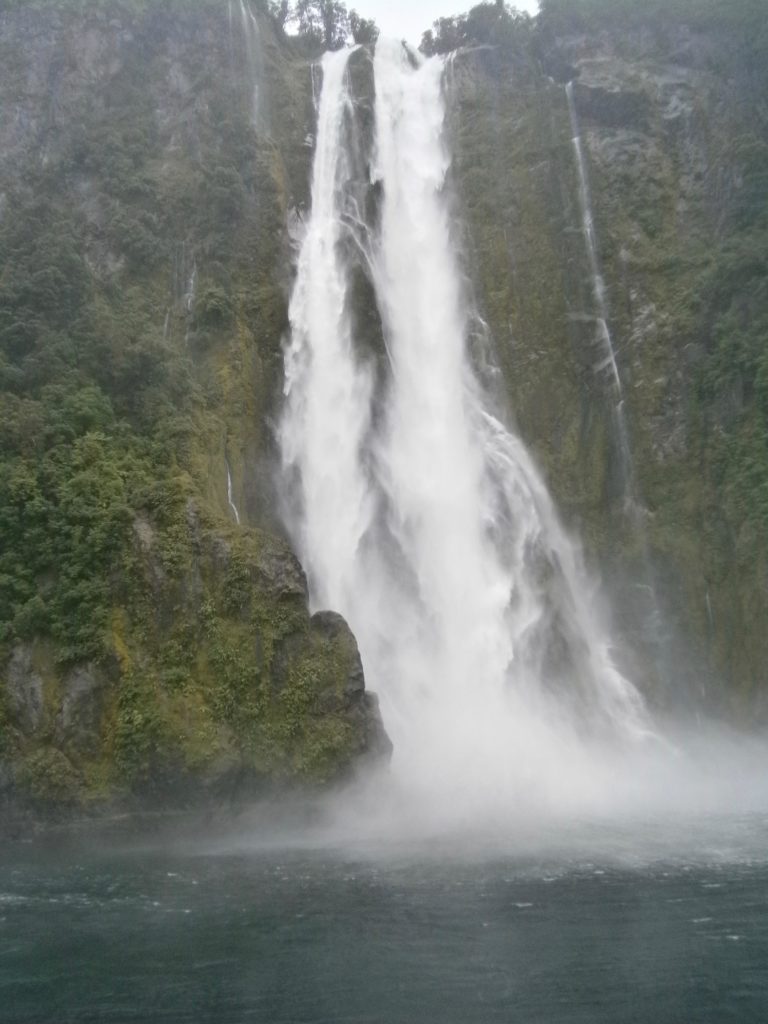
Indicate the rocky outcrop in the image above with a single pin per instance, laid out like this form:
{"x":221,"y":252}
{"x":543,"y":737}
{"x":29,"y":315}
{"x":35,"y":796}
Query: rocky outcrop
{"x":353,"y":700}
{"x":216,"y":685}
{"x":610,"y":103}
{"x":78,"y":721}
{"x":152,"y":653}
{"x":24,"y":696}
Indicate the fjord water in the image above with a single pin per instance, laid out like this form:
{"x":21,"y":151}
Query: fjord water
{"x":417,"y":513}
{"x":583,"y":927}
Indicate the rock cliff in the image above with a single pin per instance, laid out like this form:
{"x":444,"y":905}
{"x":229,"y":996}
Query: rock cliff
{"x":155,"y":640}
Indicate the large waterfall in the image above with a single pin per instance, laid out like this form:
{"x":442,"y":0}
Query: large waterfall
{"x":329,"y":392}
{"x":417,"y":513}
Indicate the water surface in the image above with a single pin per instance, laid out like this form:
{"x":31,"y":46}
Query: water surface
{"x":583,"y":925}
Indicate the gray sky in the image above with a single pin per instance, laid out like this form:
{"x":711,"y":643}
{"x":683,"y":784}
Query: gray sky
{"x":409,"y":18}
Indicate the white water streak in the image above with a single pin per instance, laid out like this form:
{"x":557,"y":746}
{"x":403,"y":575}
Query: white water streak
{"x":230,"y":494}
{"x":604,"y":339}
{"x":252,"y":40}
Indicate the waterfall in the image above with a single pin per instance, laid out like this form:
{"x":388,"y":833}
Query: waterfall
{"x":230,"y":493}
{"x":653,"y":631}
{"x":603,"y":338}
{"x":328,"y":390}
{"x":427,"y":524}
{"x":252,"y":42}
{"x":189,"y":300}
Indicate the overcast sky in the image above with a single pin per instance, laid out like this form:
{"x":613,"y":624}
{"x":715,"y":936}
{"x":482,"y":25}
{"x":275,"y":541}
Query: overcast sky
{"x":409,"y":18}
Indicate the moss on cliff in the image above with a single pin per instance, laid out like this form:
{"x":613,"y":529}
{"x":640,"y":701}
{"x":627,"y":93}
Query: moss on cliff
{"x":143,"y":268}
{"x":151,"y":650}
{"x":674,"y":139}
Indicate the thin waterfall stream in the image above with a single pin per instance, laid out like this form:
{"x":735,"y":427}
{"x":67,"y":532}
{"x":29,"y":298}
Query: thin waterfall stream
{"x":252,"y":42}
{"x":603,"y":339}
{"x":428,"y":525}
{"x":653,"y":625}
{"x":230,"y":494}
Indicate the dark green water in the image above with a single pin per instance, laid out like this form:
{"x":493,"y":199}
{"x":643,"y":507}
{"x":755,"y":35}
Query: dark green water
{"x":591,"y":927}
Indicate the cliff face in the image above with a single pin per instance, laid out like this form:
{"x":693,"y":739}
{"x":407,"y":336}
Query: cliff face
{"x":153,"y":159}
{"x":153,"y":650}
{"x":662,"y":475}
{"x":674,"y":130}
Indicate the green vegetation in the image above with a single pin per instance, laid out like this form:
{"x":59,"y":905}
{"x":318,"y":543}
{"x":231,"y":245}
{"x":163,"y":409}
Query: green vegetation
{"x":681,"y":200}
{"x":122,"y":386}
{"x":48,"y":780}
{"x":741,"y":27}
{"x":492,"y":23}
{"x":322,"y":24}
{"x":733,"y":386}
{"x":580,"y":15}
{"x":142,"y":310}
{"x":682,"y":211}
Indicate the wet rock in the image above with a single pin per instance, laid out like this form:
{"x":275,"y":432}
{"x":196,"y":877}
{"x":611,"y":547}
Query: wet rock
{"x":360,"y":706}
{"x":279,"y":572}
{"x":79,"y":718}
{"x":377,"y":746}
{"x":612,"y":107}
{"x":334,"y":627}
{"x":24,"y":692}
{"x":6,"y":777}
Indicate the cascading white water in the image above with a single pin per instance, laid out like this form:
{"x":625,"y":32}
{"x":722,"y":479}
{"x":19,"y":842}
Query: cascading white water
{"x":433,"y":533}
{"x":327,"y":413}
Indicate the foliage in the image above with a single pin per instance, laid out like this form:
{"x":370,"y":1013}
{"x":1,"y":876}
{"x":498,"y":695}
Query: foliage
{"x":48,"y":779}
{"x":733,"y":386}
{"x":319,"y":24}
{"x":79,"y":382}
{"x":364,"y":30}
{"x":115,"y":544}
{"x":581,"y":14}
{"x":493,"y":23}
{"x":743,"y":20}
{"x":325,"y":24}
{"x":139,"y":733}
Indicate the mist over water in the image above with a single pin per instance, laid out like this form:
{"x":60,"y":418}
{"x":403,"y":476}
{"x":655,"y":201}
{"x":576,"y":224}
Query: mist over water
{"x":422,"y":519}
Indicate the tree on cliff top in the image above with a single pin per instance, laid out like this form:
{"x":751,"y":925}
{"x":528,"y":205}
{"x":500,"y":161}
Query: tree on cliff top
{"x":324,"y":23}
{"x":493,"y":23}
